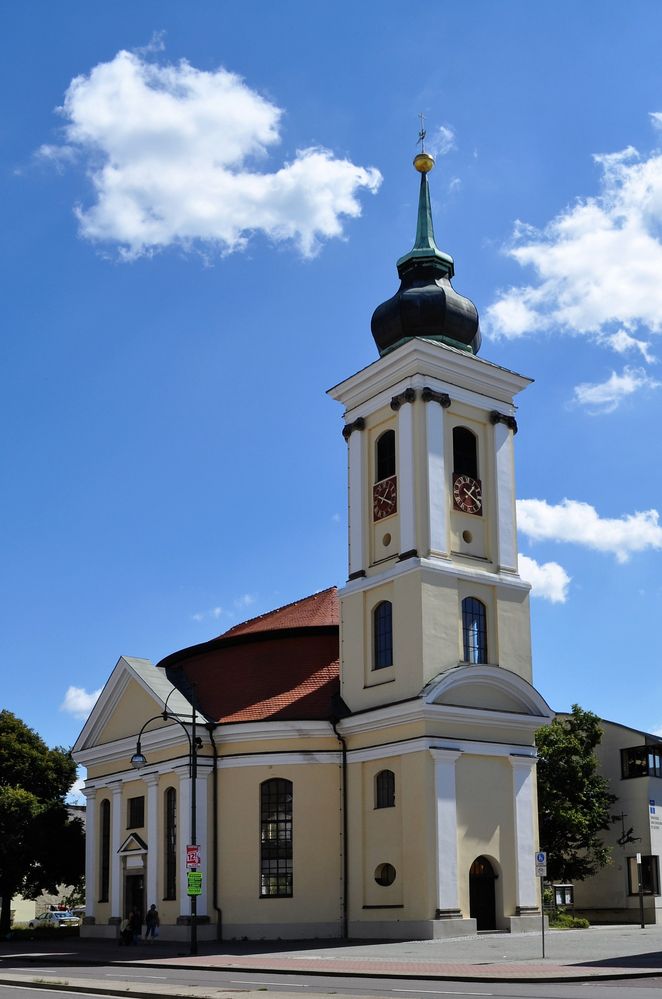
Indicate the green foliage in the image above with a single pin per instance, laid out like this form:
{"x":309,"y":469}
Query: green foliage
{"x":564,"y":921}
{"x":40,"y":847}
{"x":574,"y":800}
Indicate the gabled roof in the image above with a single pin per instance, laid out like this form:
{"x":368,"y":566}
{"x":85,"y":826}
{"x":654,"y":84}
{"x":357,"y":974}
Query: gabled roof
{"x":318,"y":609}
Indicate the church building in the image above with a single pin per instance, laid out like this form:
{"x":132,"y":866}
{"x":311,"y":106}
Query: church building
{"x":359,"y":763}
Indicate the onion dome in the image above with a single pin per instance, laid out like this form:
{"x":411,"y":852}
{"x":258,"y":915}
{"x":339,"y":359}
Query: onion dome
{"x":426,"y":304}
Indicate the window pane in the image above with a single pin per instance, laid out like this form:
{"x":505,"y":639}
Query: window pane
{"x":170,"y":824}
{"x":105,"y":851}
{"x":474,"y":631}
{"x":276,"y":838}
{"x":650,"y":876}
{"x":136,"y":813}
{"x":385,"y":789}
{"x":465,"y":456}
{"x":385,"y":456}
{"x":383,"y":634}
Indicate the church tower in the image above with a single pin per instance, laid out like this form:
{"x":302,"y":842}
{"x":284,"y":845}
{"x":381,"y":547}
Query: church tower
{"x":435,"y":631}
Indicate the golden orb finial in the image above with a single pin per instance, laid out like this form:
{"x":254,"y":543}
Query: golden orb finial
{"x":423,"y":162}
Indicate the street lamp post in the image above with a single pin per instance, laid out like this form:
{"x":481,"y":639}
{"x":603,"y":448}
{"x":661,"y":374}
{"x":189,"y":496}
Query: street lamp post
{"x":138,"y":760}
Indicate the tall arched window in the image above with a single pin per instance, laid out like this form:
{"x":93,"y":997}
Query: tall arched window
{"x":382,"y":619}
{"x":385,"y":789}
{"x":385,"y":456}
{"x":170,"y":843}
{"x":104,"y":850}
{"x":465,"y":452}
{"x":474,"y":630}
{"x":276,"y":838}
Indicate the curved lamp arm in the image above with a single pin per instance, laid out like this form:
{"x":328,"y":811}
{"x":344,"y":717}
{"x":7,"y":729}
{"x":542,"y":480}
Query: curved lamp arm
{"x":138,"y":760}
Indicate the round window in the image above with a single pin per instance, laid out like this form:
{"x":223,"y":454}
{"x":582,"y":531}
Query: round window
{"x":385,"y":875}
{"x":467,"y":537}
{"x":386,"y":540}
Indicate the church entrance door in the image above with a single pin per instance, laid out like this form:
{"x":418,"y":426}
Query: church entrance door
{"x":134,"y":894}
{"x":481,"y":894}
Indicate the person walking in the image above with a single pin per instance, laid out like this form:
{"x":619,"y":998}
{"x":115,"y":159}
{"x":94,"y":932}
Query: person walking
{"x":135,"y":925}
{"x":152,"y":922}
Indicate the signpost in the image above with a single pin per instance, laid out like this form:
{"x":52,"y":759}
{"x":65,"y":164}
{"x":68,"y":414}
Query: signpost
{"x":192,"y":857}
{"x":541,"y":872}
{"x":641,"y":892}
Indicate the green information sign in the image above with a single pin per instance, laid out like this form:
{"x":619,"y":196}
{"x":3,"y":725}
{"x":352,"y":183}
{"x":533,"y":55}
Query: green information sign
{"x":194,"y":883}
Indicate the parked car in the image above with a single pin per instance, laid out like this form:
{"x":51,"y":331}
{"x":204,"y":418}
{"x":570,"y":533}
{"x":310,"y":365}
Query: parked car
{"x":54,"y":920}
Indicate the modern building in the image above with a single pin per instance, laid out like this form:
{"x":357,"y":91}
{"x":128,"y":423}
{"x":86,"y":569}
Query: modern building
{"x":366,"y":761}
{"x":632,"y":762}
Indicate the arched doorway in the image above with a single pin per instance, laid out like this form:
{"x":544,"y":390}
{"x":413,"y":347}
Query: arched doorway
{"x":482,"y":901}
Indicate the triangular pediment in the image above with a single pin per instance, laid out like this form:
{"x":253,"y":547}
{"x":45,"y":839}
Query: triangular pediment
{"x":133,"y":844}
{"x":488,"y":688}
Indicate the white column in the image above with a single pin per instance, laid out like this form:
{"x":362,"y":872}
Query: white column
{"x":526,"y":832}
{"x":153,"y":840}
{"x":447,"y":867}
{"x":505,"y":497}
{"x":91,"y":849}
{"x":115,"y":859}
{"x":406,"y":484}
{"x":183,"y":836}
{"x":437,"y":498}
{"x":356,"y":500}
{"x":201,"y":828}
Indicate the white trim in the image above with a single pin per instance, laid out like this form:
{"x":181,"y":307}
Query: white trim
{"x":446,"y":829}
{"x":153,"y":840}
{"x":166,"y":737}
{"x":462,"y":573}
{"x":115,"y":844}
{"x":202,"y":798}
{"x":422,"y":744}
{"x":505,"y":497}
{"x":406,"y":489}
{"x":90,"y":849}
{"x":465,"y":374}
{"x":437,"y":498}
{"x":495,"y":677}
{"x":356,"y":501}
{"x":183,"y":835}
{"x":525,"y":830}
{"x":279,"y":759}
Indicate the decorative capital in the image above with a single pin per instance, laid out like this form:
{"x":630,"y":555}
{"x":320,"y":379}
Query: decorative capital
{"x":409,"y":395}
{"x":509,"y":421}
{"x":429,"y":395}
{"x":349,"y":428}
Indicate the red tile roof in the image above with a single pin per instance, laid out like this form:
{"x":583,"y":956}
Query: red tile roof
{"x":318,"y":609}
{"x":280,"y":666}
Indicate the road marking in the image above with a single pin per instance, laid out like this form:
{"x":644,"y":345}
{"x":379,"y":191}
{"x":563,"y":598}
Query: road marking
{"x":441,"y":992}
{"x":282,"y":985}
{"x":133,"y":976}
{"x":28,"y":988}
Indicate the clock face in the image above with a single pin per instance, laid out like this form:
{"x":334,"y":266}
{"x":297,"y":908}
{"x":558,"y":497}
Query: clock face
{"x":467,"y":494}
{"x":384,"y":498}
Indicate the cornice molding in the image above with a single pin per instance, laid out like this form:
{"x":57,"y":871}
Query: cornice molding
{"x":446,"y":566}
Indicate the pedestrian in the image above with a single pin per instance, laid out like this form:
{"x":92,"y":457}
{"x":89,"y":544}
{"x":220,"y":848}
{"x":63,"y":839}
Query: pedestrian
{"x":135,"y":925}
{"x":152,"y":922}
{"x":126,"y":936}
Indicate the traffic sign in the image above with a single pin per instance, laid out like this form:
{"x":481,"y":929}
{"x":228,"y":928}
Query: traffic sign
{"x":541,"y":864}
{"x":194,"y":885}
{"x":192,"y":856}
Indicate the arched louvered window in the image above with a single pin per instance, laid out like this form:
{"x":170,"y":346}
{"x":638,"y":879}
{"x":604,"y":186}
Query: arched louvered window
{"x":474,"y":630}
{"x":465,"y":452}
{"x":104,"y":850}
{"x":385,"y":789}
{"x":382,"y":618}
{"x":276,"y":838}
{"x":385,"y":456}
{"x":170,"y":843}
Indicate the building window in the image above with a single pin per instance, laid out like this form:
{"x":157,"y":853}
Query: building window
{"x":385,"y":875}
{"x":465,"y":452}
{"x":385,"y":789}
{"x":276,"y":839}
{"x":641,"y":761}
{"x":104,"y":853}
{"x":382,"y":619}
{"x":650,"y":876}
{"x":474,"y":631}
{"x":135,"y":813}
{"x":170,"y":845}
{"x":385,"y":456}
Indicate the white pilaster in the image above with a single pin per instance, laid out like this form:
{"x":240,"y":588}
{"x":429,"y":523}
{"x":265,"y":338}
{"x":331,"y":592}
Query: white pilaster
{"x":201,"y":830}
{"x":91,"y":847}
{"x":437,"y":501}
{"x":526,"y":832}
{"x":446,"y":850}
{"x":406,"y":485}
{"x":154,"y":845}
{"x":115,"y":859}
{"x":356,"y":512}
{"x":183,"y":836}
{"x":505,"y":497}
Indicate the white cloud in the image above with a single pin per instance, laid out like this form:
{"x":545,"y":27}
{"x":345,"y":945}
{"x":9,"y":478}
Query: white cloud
{"x":579,"y":523}
{"x":79,"y":702}
{"x":442,"y":141}
{"x":245,"y":600}
{"x":606,"y":396}
{"x":171,"y":152}
{"x":74,"y":794}
{"x":622,"y":342}
{"x":656,"y":118}
{"x":549,"y":580}
{"x":598,"y":262}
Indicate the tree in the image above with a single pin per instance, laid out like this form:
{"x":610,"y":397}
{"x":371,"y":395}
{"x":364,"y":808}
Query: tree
{"x":40,"y":846}
{"x":574,"y":800}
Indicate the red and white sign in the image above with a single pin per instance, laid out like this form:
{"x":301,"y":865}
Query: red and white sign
{"x":192,"y":856}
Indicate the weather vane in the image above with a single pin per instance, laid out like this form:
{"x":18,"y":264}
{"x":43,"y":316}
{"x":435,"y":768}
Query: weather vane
{"x":422,"y":133}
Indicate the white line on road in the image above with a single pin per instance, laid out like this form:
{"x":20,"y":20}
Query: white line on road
{"x":133,"y":977}
{"x":282,"y":985}
{"x":441,"y":992}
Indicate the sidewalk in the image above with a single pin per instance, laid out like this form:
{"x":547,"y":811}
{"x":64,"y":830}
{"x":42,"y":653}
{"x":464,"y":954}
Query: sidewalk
{"x":572,"y":955}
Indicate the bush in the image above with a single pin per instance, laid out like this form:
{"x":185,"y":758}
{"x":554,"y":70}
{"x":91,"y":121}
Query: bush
{"x":563,"y":921}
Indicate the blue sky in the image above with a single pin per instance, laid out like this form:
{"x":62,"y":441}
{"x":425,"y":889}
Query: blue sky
{"x":203,"y":204}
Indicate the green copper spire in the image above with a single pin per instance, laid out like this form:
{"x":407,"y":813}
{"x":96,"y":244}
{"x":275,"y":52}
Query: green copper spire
{"x":425,"y":249}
